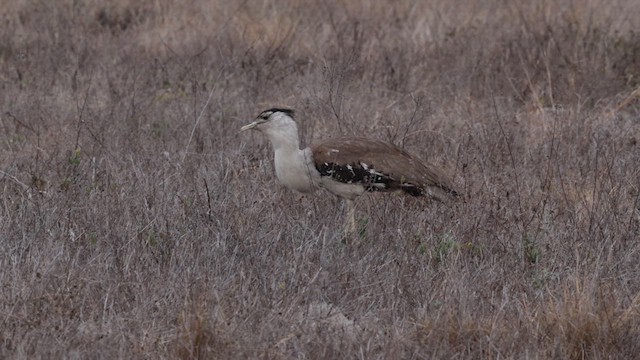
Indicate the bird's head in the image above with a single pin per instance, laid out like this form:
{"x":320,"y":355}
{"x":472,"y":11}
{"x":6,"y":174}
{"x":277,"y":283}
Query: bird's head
{"x":273,"y":120}
{"x":278,"y":125}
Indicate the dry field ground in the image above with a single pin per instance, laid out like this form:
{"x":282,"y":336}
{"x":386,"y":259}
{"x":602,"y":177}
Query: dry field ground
{"x":137,"y":222}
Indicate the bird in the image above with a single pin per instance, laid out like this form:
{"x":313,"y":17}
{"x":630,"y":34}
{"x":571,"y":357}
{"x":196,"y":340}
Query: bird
{"x":347,"y":167}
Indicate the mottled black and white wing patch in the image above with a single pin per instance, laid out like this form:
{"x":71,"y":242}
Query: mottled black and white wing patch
{"x":360,"y":173}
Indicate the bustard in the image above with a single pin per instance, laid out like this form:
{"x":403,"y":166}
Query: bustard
{"x":347,"y":166}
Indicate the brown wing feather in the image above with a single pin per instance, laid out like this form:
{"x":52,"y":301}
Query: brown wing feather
{"x":406,"y":170}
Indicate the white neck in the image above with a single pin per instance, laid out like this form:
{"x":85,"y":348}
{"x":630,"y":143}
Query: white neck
{"x":286,"y":140}
{"x":294,"y":167}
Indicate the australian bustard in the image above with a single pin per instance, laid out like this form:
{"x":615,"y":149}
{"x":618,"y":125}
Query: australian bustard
{"x":347,"y":166}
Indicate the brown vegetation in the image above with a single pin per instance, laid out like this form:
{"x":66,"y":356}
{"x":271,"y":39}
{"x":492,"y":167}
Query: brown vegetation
{"x":136,"y":222}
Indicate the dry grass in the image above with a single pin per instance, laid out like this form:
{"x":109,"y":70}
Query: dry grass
{"x":137,"y":223}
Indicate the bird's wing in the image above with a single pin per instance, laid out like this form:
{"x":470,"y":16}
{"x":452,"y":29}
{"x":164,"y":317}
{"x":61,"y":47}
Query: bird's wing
{"x":354,"y":159}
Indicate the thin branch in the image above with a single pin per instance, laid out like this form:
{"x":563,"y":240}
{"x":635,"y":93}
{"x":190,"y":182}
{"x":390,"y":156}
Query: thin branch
{"x":193,"y":129}
{"x":513,"y":160}
{"x":14,"y":179}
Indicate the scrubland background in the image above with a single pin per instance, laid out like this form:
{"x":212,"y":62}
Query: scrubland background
{"x":136,"y":222}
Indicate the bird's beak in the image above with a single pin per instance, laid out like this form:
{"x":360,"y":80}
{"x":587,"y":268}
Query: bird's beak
{"x":251,"y":126}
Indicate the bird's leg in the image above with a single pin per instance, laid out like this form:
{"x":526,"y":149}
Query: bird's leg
{"x":350,"y":228}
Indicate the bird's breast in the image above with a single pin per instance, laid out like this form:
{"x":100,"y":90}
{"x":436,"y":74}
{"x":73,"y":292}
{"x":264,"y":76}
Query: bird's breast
{"x":293,"y":171}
